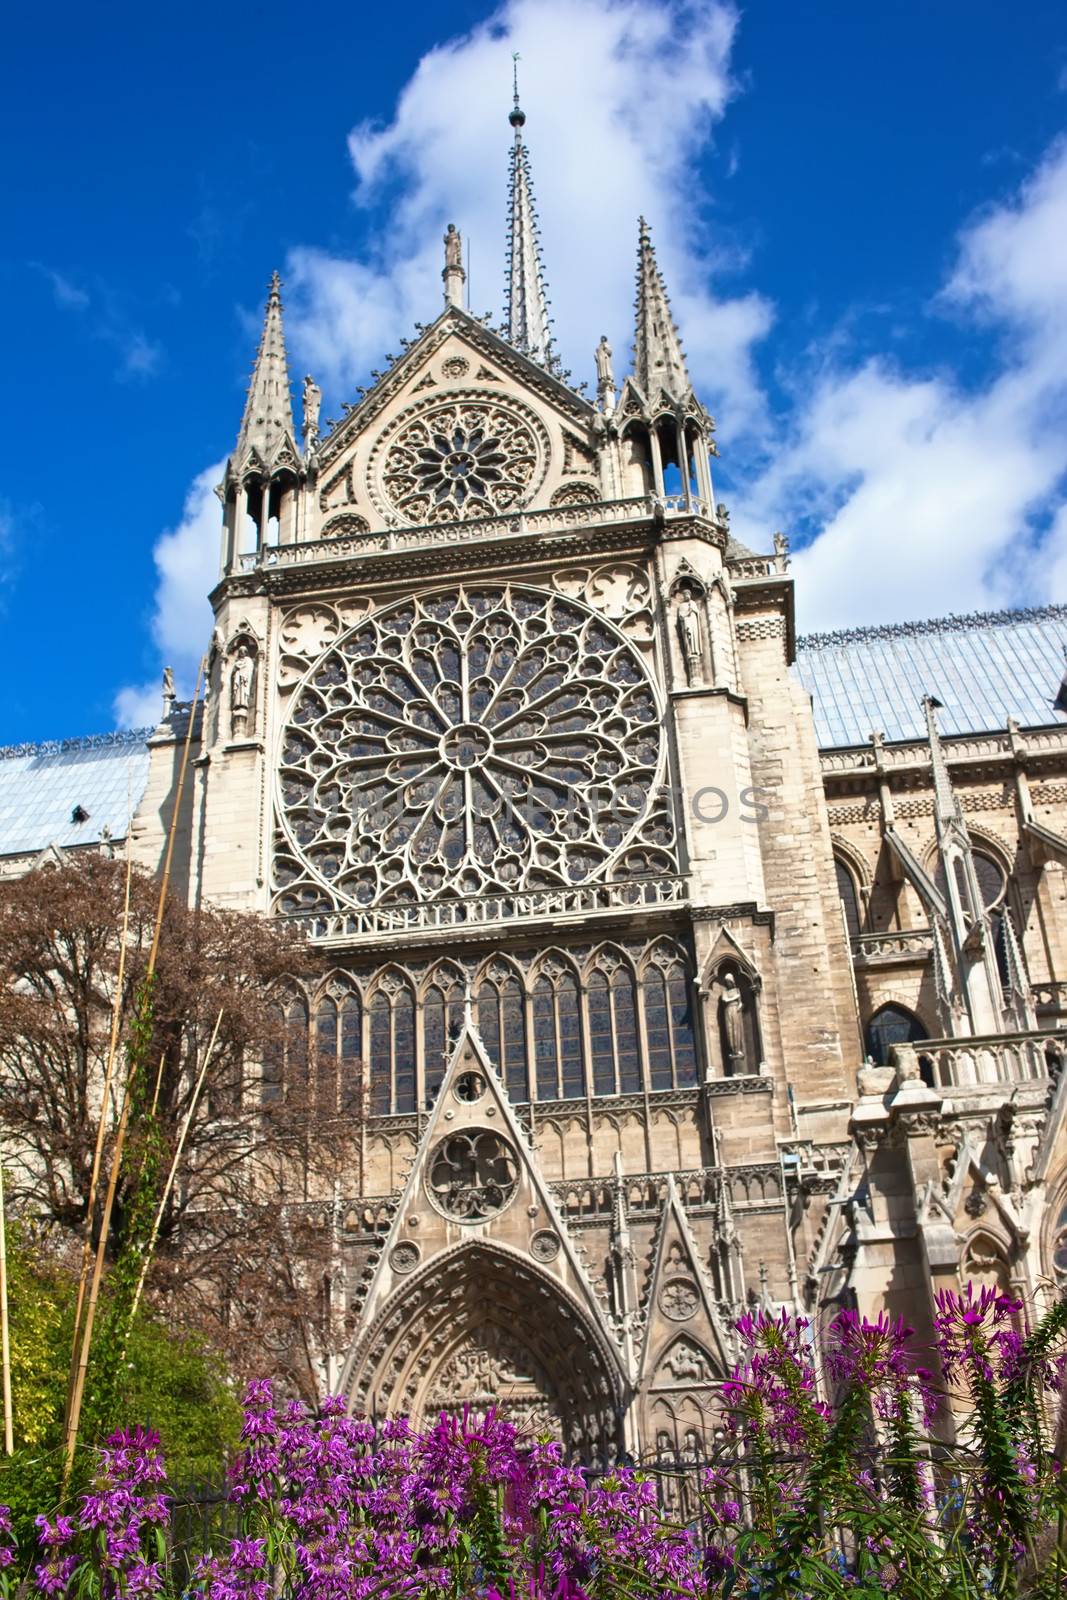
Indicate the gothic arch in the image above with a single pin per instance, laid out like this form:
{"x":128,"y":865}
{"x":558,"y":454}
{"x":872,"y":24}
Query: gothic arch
{"x":985,"y":1261}
{"x":557,"y":1036}
{"x":500,"y":1007}
{"x":615,"y":1052}
{"x":1054,"y":1236}
{"x":853,"y":859}
{"x":482,"y":1325}
{"x":390,"y":1009}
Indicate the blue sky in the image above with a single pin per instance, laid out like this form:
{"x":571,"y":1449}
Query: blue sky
{"x":862,"y":213}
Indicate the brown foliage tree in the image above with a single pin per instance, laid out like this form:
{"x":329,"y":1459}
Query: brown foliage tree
{"x":248,"y":1242}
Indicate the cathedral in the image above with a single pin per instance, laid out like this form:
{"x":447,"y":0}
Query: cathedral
{"x":676,"y":965}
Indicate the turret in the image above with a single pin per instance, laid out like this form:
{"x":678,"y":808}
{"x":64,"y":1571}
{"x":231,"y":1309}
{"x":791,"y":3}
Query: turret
{"x":658,"y":412}
{"x":260,"y":488}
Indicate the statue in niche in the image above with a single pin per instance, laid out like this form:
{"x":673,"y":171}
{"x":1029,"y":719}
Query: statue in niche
{"x":169,"y":694}
{"x":732,"y":1011}
{"x":688,"y":621}
{"x":312,"y":405}
{"x":242,"y":711}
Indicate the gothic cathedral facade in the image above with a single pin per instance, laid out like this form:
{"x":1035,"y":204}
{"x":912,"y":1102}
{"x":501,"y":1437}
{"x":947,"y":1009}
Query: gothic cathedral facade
{"x":500,"y":713}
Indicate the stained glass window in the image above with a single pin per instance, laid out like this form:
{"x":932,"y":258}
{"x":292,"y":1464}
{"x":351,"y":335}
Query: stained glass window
{"x":392,"y":1050}
{"x":891,"y":1025}
{"x":850,"y":900}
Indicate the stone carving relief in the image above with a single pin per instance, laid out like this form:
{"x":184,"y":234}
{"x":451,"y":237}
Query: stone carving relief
{"x":242,"y":655}
{"x":472,"y":1175}
{"x":685,"y":1362}
{"x":545,"y":1246}
{"x":455,"y":367}
{"x":460,"y":743}
{"x":582,"y":493}
{"x":405,"y":1256}
{"x":679,"y":1299}
{"x":690,"y":622}
{"x":618,"y":589}
{"x":493,"y":1369}
{"x":307,"y":630}
{"x":447,"y":460}
{"x":347,"y":525}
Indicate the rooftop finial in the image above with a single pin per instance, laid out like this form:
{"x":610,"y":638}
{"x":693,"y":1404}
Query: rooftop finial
{"x":517,"y":116}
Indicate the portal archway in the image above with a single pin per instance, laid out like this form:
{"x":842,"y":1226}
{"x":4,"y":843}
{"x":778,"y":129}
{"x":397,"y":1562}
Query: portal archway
{"x":481,"y":1325}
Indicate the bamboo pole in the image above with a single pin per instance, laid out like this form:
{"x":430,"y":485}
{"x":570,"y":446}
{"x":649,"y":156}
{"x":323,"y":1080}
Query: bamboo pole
{"x":5,"y":1341}
{"x":186,"y":1124}
{"x":98,"y":1151}
{"x":78,"y":1388}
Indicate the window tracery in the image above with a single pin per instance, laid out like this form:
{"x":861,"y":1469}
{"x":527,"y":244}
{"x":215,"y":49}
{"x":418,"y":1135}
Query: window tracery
{"x":613,"y":1044}
{"x":392,"y":1047}
{"x":671,"y":1041}
{"x":466,"y":742}
{"x":891,"y":1024}
{"x":502,"y":1025}
{"x":442,"y":1018}
{"x":557,"y":1029}
{"x":1059,"y":1247}
{"x":448,"y":460}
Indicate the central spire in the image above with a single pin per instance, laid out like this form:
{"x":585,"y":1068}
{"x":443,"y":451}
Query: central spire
{"x":529,"y":326}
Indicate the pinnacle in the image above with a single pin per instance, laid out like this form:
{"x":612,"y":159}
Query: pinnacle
{"x":659,"y":360}
{"x":527,"y":322}
{"x":267,"y":423}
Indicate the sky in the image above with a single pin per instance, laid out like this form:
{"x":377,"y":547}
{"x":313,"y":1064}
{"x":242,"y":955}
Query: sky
{"x":861,"y":213}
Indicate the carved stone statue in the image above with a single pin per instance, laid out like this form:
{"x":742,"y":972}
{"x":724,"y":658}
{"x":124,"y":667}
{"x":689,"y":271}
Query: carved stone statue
{"x":781,"y":551}
{"x":312,"y":406}
{"x":689,"y":634}
{"x":731,"y":1005}
{"x":605,"y":374}
{"x":169,"y":695}
{"x":242,"y":714}
{"x":453,"y":247}
{"x":453,"y":275}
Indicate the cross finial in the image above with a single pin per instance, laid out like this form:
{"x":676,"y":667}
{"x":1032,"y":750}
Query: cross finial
{"x":518,"y":115}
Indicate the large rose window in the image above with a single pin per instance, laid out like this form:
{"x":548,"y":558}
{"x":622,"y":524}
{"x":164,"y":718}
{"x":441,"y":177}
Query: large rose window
{"x":466,"y":742}
{"x":449,"y":461}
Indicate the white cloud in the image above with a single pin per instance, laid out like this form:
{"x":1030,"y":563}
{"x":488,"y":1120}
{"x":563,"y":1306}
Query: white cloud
{"x":187,"y":563}
{"x":616,"y":122}
{"x":933,"y":496}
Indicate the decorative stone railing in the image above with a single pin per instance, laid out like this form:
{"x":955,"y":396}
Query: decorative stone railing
{"x":523,"y":524}
{"x":915,"y":753}
{"x":979,"y":1059}
{"x":911,"y":944}
{"x":1049,"y":996}
{"x":478,"y":911}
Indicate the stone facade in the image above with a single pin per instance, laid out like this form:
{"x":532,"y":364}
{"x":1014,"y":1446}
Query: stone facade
{"x":501,"y":714}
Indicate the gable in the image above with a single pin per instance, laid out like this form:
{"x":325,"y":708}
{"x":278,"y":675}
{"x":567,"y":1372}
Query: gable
{"x":463,"y":428}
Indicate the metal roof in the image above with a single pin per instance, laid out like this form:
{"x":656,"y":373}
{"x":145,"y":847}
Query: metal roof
{"x":983,"y":668}
{"x":41,"y":785}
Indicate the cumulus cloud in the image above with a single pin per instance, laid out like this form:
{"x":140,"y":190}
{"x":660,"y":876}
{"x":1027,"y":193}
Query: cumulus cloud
{"x":616,"y":123}
{"x":921,"y":495}
{"x":187,"y":567}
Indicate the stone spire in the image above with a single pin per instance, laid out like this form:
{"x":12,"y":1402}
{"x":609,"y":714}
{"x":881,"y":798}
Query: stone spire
{"x":529,"y":326}
{"x":659,"y":361}
{"x":267,"y":424}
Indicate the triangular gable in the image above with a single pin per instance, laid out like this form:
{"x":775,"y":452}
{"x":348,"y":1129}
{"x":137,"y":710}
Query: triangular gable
{"x":1050,"y":1158}
{"x":50,"y":856}
{"x":473,"y":1133}
{"x":410,"y":371}
{"x":679,"y":1304}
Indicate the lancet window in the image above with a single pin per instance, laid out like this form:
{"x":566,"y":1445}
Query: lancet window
{"x":849,"y":896}
{"x":557,"y":1034}
{"x":671,"y":1045}
{"x":442,"y":1018}
{"x":613,"y":1029}
{"x":285,"y":1060}
{"x":339,"y":1051}
{"x":502,"y":1024}
{"x":392,"y":1047}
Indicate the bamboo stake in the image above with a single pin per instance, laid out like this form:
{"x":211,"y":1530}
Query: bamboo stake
{"x":5,"y":1342}
{"x":78,"y":1390}
{"x":186,"y":1124}
{"x":98,"y":1151}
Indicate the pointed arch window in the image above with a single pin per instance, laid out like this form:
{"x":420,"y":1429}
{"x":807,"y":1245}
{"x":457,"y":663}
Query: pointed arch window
{"x":339,"y":1051}
{"x":849,"y":897}
{"x":442,"y":1018}
{"x":1059,"y":1248}
{"x":502,"y":1024}
{"x":392,"y":1048}
{"x":669,"y":1038}
{"x":557,"y":1031}
{"x":613,"y":1045}
{"x":285,"y":1059}
{"x":890,"y":1025}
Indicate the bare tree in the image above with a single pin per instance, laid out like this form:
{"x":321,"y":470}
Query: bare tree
{"x":247,"y":1245}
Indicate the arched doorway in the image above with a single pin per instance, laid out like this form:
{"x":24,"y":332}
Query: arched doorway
{"x":481,"y":1326}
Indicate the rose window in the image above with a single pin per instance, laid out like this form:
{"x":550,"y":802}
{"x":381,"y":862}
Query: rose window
{"x":464,"y":458}
{"x":472,"y":1175}
{"x":467,"y":742}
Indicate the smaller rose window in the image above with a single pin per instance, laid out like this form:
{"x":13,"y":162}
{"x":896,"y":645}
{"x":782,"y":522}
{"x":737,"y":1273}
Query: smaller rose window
{"x":472,"y":1175}
{"x":448,"y":462}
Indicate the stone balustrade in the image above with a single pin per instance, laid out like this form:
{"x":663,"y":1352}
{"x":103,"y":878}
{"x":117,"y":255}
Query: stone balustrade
{"x":1049,"y":996}
{"x":365,"y":924}
{"x":896,"y":944}
{"x":979,"y":1059}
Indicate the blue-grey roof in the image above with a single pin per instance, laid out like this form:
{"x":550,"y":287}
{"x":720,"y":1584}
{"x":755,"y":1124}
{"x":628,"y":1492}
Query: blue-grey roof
{"x":983,"y":668}
{"x":41,"y":784}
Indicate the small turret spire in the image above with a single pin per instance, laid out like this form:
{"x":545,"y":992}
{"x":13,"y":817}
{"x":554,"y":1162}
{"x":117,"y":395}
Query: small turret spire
{"x":659,"y":361}
{"x":267,"y":424}
{"x":529,"y":326}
